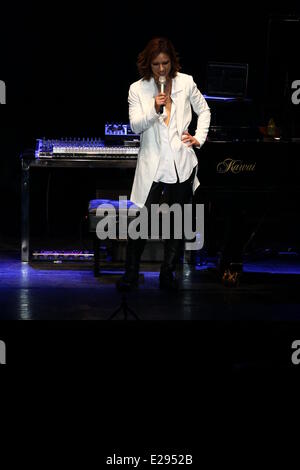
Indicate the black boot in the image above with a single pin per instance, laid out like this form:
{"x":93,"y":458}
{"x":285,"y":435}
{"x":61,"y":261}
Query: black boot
{"x":130,"y":278}
{"x":166,"y":278}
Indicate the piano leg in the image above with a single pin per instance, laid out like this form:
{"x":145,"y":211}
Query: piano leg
{"x":231,"y":261}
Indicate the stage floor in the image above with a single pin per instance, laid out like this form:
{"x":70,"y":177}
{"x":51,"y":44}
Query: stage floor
{"x":268,"y":291}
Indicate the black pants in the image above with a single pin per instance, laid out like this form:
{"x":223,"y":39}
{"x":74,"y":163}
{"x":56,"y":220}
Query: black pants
{"x":176,"y":193}
{"x":180,"y":193}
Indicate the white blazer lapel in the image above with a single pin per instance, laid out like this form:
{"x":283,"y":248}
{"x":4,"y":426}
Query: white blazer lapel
{"x":148,"y":92}
{"x":178,"y":98}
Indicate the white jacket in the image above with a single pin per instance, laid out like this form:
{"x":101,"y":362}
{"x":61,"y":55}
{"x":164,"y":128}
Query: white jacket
{"x":144,"y":121}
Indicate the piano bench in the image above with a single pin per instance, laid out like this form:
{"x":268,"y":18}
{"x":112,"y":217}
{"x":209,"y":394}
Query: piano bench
{"x":154,"y":250}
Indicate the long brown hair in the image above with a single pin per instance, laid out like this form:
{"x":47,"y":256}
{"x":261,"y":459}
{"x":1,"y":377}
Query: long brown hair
{"x":152,"y":49}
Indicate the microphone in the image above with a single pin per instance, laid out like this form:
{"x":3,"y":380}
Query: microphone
{"x":162,"y":81}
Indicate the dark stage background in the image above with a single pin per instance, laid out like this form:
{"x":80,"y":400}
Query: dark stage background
{"x":68,"y":66}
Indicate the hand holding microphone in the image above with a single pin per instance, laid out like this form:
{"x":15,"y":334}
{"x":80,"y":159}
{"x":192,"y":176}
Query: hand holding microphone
{"x":161,"y":98}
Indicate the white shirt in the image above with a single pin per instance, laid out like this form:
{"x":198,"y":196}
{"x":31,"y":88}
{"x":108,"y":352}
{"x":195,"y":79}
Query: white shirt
{"x":145,"y":121}
{"x":166,"y":172}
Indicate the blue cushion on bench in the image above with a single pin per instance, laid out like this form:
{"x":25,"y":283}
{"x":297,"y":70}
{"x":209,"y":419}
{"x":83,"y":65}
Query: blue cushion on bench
{"x":94,"y":203}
